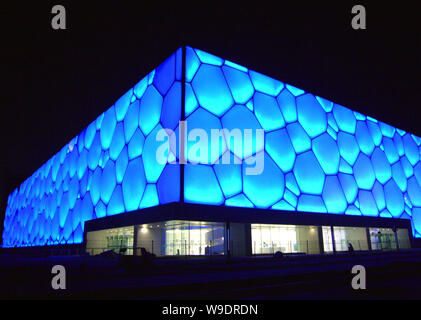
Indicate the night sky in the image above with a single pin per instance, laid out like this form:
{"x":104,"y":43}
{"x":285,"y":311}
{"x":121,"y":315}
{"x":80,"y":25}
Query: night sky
{"x":55,"y":82}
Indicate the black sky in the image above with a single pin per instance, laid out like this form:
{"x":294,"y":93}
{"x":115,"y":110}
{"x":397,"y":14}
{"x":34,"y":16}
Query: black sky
{"x":54,"y":83}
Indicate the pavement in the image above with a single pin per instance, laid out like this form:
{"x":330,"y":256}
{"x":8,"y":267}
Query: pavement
{"x":390,"y":275}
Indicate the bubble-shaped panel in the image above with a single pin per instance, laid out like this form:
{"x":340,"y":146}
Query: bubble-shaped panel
{"x":134,"y":183}
{"x":344,"y":118}
{"x":287,"y":105}
{"x":240,"y":117}
{"x":107,"y":127}
{"x":368,"y":205}
{"x":364,"y":139}
{"x":230,"y":178}
{"x":150,"y":110}
{"x":266,"y":84}
{"x":311,"y":115}
{"x":201,"y":185}
{"x":308,"y":173}
{"x":394,"y":198}
{"x":299,"y":138}
{"x":364,"y":172}
{"x":205,"y":140}
{"x":279,"y":147}
{"x":239,"y":83}
{"x":267,"y":112}
{"x":212,"y":90}
{"x":327,"y":153}
{"x":333,"y":196}
{"x":381,"y":166}
{"x":266,"y":188}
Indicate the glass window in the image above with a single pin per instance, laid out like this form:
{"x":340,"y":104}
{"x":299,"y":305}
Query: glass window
{"x":268,"y":239}
{"x":382,"y":239}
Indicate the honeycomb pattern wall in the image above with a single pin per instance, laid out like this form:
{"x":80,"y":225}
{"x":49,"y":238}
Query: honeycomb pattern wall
{"x":110,"y":168}
{"x":318,"y":155}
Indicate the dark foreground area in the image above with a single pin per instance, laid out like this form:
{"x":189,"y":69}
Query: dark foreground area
{"x":389,"y":275}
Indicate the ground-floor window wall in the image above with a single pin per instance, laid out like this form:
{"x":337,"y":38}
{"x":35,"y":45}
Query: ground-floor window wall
{"x":202,"y":238}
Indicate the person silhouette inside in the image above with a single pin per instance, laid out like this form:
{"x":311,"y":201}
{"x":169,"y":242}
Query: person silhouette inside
{"x":350,"y":247}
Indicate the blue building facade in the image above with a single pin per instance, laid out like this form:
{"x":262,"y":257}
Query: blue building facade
{"x":319,"y":156}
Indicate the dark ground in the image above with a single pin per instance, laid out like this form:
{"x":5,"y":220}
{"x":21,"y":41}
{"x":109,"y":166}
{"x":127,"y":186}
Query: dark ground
{"x":390,"y":275}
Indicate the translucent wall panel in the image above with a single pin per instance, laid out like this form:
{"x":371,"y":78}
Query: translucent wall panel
{"x":319,"y":156}
{"x":110,"y":168}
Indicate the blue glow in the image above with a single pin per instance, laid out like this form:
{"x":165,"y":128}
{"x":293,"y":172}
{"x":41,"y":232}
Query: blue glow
{"x":267,"y":112}
{"x":239,"y":201}
{"x":192,"y":64}
{"x":209,"y":58}
{"x":364,"y":173}
{"x":367,"y":203}
{"x":171,"y":108}
{"x":229,"y":177}
{"x":333,"y":196}
{"x":375,"y":132}
{"x":150,"y":197}
{"x":118,"y":141}
{"x":299,"y":138}
{"x":327,"y":159}
{"x":349,"y":186}
{"x":267,"y":188}
{"x":378,"y":194}
{"x":294,"y":90}
{"x":150,"y":110}
{"x":364,"y":138}
{"x":235,"y":66}
{"x":311,"y":115}
{"x":204,"y":149}
{"x":153,"y":168}
{"x":308,"y":173}
{"x":201,"y":185}
{"x":240,"y":117}
{"x":108,"y":182}
{"x":287,"y":105}
{"x":131,"y":122}
{"x":211,"y":89}
{"x":381,"y":166}
{"x":344,"y":118}
{"x":134,"y":183}
{"x":265,"y":84}
{"x":116,"y":204}
{"x":311,"y":203}
{"x":411,"y":149}
{"x":165,"y":75}
{"x":191,"y":101}
{"x":107,"y":127}
{"x":279,"y":147}
{"x":135,"y":146}
{"x":327,"y":153}
{"x":239,"y":83}
{"x":122,"y":105}
{"x":394,"y":199}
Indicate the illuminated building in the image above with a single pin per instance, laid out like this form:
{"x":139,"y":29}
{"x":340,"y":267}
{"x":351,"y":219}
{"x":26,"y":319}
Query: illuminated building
{"x":330,"y":173}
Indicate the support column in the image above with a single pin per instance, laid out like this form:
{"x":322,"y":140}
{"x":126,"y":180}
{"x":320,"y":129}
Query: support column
{"x":367,"y":232}
{"x":396,"y":237}
{"x":333,"y":239}
{"x":227,"y":240}
{"x":320,"y":236}
{"x":248,"y":243}
{"x":135,"y":232}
